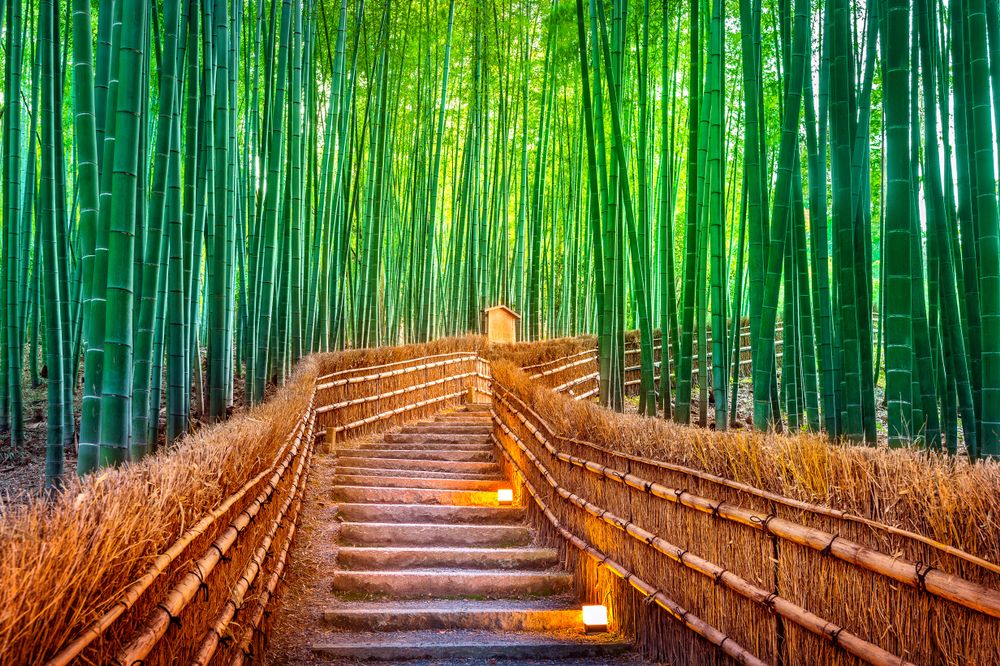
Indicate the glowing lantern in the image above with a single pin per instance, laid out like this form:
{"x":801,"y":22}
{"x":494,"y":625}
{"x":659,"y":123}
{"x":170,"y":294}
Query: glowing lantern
{"x":595,"y":619}
{"x":505,"y":496}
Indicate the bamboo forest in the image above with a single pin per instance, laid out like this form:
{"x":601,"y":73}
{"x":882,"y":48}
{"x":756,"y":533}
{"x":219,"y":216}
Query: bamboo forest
{"x":788,"y":207}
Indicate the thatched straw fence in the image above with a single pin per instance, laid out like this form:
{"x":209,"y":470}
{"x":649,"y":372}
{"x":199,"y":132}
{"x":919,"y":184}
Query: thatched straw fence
{"x":707,"y":547}
{"x":713,"y":547}
{"x":177,"y":558}
{"x":570,"y":364}
{"x":393,"y":385}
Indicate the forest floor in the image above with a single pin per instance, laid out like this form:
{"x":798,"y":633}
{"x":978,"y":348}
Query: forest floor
{"x":744,"y":410}
{"x":22,"y":470}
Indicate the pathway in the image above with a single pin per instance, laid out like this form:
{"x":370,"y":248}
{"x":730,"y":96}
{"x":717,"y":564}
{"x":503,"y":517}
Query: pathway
{"x":427,"y":567}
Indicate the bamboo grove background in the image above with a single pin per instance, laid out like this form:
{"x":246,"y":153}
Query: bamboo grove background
{"x":196,"y":194}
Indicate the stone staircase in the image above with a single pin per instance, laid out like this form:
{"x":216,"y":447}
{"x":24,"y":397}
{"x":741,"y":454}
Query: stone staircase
{"x":431,"y":569}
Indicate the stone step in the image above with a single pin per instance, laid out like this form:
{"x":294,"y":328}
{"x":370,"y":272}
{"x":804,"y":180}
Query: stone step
{"x":446,"y":428}
{"x":419,"y":474}
{"x":430,"y":513}
{"x":463,"y":445}
{"x":382,"y":559}
{"x":417,"y":583}
{"x":513,"y":615}
{"x":368,"y":479}
{"x":380,"y":495}
{"x":476,"y":646}
{"x":427,"y":534}
{"x":443,"y":437}
{"x":455,"y":455}
{"x":463,"y":417}
{"x":398,"y":465}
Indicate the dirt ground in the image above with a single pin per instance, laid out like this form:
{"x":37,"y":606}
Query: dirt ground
{"x":22,"y":470}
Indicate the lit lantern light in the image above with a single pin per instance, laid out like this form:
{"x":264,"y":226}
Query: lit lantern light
{"x":505,"y":496}
{"x":595,"y":619}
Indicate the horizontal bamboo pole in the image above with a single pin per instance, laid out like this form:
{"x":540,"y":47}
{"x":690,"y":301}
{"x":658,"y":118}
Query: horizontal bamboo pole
{"x":573,"y":383}
{"x":327,"y":378}
{"x":159,"y":618}
{"x":290,"y":511}
{"x":675,"y":610}
{"x":561,"y":359}
{"x":242,"y":651}
{"x":915,"y":574}
{"x":402,"y":391}
{"x":394,"y":412}
{"x":752,"y":490}
{"x":131,"y":594}
{"x":395,"y":373}
{"x":590,"y":358}
{"x":836,"y":635}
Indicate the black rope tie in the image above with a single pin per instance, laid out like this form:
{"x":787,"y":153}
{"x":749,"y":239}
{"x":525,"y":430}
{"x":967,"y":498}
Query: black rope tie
{"x":922,"y":570}
{"x":835,"y":636}
{"x":769,"y":601}
{"x":715,"y":510}
{"x":649,"y":487}
{"x":678,"y":492}
{"x":651,"y":597}
{"x":174,"y":619}
{"x":718,"y":576}
{"x":827,"y":547}
{"x":765,"y":523}
{"x":202,"y":585}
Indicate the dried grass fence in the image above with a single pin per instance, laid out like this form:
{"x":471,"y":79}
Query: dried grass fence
{"x":385,"y":387}
{"x":782,"y":550}
{"x":570,"y":364}
{"x":176,"y":559}
{"x":156,"y":561}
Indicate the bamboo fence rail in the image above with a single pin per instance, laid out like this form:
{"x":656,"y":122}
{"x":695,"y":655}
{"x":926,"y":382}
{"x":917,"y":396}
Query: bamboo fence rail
{"x":837,"y":636}
{"x":567,"y":373}
{"x":382,"y":396}
{"x":249,"y":508}
{"x":790,"y":581}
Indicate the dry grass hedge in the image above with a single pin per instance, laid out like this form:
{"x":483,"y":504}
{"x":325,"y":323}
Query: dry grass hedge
{"x":947,"y":500}
{"x":63,"y":561}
